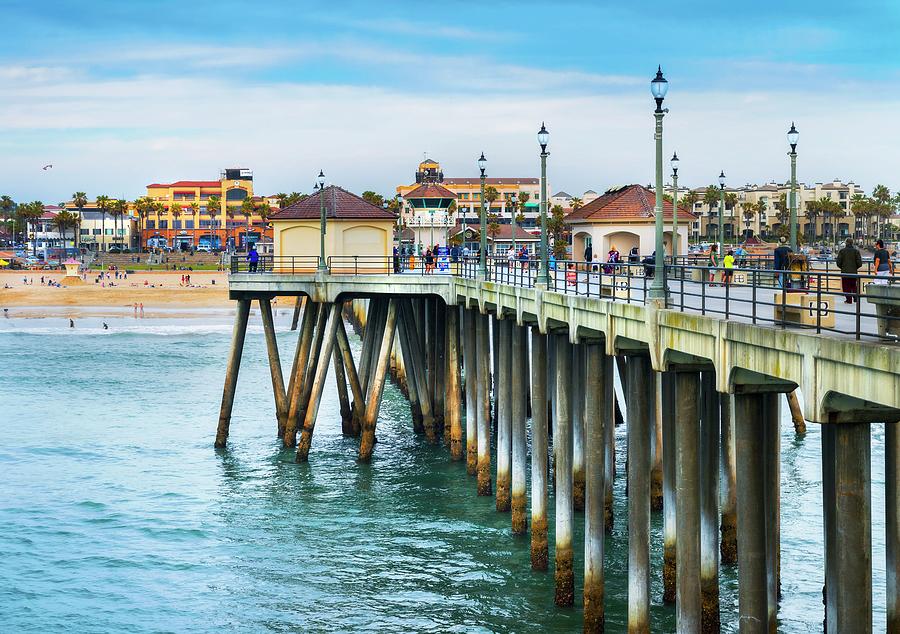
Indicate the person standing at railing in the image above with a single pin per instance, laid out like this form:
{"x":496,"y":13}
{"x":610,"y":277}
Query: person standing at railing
{"x":429,"y":261}
{"x":252,"y":258}
{"x":781,"y":261}
{"x":612,"y":260}
{"x":728,"y":263}
{"x":849,"y":261}
{"x":884,"y":267}
{"x":713,"y":262}
{"x":396,"y":260}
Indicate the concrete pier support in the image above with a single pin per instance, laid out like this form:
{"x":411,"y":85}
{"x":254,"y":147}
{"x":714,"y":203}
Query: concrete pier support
{"x":539,"y":448}
{"x":709,"y":503}
{"x":640,"y":411}
{"x":667,"y":407}
{"x":578,"y":414}
{"x":688,"y":602}
{"x":358,"y":403}
{"x":749,"y":432}
{"x":728,"y":486}
{"x":373,"y":404}
{"x":892,"y":528}
{"x":453,"y":402}
{"x":519,"y":387}
{"x":598,"y":414}
{"x":656,"y":457}
{"x":562,"y":444}
{"x":772,"y":452}
{"x":470,"y":359}
{"x":484,"y":405}
{"x":231,"y":373}
{"x":318,"y":382}
{"x":281,"y":405}
{"x":609,"y":439}
{"x":849,"y":586}
{"x":503,"y":397}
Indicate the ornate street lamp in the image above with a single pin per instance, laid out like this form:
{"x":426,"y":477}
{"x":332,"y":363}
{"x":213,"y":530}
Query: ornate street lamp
{"x":658,"y":88}
{"x":674,"y":163}
{"x":321,"y":182}
{"x":793,"y":136}
{"x":513,"y":199}
{"x":544,"y":273}
{"x":721,"y":213}
{"x":482,"y":258}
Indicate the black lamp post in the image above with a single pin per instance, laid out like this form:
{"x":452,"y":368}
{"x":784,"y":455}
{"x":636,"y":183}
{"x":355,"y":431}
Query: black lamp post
{"x":482,"y":258}
{"x":659,"y":86}
{"x":544,"y":274}
{"x":321,"y":182}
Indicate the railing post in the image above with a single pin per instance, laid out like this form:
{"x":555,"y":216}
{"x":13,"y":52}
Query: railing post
{"x":819,"y":302}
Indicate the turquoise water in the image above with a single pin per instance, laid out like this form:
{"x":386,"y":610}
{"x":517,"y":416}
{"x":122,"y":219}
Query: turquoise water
{"x":116,"y":514}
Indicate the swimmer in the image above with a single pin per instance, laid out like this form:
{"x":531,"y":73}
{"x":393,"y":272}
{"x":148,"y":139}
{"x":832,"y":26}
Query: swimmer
{"x":71,"y":323}
{"x":105,"y":327}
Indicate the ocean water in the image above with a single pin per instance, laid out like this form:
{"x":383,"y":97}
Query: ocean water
{"x":117,"y":515}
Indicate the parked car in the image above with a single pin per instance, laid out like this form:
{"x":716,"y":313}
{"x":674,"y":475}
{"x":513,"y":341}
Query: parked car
{"x":205,"y":248}
{"x":118,"y":248}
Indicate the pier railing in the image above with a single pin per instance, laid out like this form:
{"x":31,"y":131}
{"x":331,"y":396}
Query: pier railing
{"x":820,"y":299}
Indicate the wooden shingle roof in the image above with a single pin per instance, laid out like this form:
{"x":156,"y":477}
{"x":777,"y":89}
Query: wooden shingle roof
{"x":339,"y":205}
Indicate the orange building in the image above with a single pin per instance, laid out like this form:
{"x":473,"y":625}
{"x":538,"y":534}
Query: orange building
{"x":185,"y":218}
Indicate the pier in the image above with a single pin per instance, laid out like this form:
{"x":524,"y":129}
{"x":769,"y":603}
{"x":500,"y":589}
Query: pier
{"x":704,"y":381}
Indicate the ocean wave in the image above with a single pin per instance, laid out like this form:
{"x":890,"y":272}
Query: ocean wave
{"x":117,"y":330}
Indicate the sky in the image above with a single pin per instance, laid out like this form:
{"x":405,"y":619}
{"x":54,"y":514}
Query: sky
{"x":116,"y":95}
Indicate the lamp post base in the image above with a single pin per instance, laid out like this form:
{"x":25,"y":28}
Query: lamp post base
{"x":659,"y":297}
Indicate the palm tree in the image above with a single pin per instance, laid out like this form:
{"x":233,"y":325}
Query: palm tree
{"x":118,"y":210}
{"x":6,"y":206}
{"x":63,"y":221}
{"x":859,"y":205}
{"x":711,"y":199}
{"x":813,"y":211}
{"x":142,"y":207}
{"x":230,"y":213}
{"x":103,"y":206}
{"x":213,"y":208}
{"x":282,"y":199}
{"x":195,"y":211}
{"x":749,"y":211}
{"x":247,"y":209}
{"x":158,"y":208}
{"x":79,"y":199}
{"x":30,"y":212}
{"x":175,"y":212}
{"x":556,"y":227}
{"x":490,"y":197}
{"x":576,"y":204}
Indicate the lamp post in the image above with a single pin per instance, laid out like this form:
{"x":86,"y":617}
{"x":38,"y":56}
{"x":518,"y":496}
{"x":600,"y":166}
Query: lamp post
{"x":482,"y":257}
{"x":321,"y":181}
{"x":514,"y":197}
{"x":658,"y":88}
{"x":544,"y":272}
{"x":793,"y":136}
{"x":721,"y":212}
{"x":674,"y":164}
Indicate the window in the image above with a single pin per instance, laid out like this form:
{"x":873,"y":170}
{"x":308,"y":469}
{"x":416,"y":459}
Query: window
{"x":84,"y":232}
{"x":236,"y":194}
{"x":176,"y":224}
{"x":120,"y":232}
{"x":96,"y":232}
{"x":107,"y":232}
{"x":163,"y":224}
{"x":188,"y":224}
{"x":205,"y":224}
{"x":151,"y":224}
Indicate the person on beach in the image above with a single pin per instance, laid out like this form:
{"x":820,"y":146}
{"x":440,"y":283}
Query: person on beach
{"x":849,"y":261}
{"x":142,"y":308}
{"x":884,"y":266}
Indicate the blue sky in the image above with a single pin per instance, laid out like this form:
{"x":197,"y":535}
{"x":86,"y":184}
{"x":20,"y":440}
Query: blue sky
{"x":119,"y":94}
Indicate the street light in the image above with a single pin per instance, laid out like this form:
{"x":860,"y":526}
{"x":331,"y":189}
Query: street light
{"x":793,"y":136}
{"x":321,"y":182}
{"x":674,"y":163}
{"x":721,"y":212}
{"x":544,"y":273}
{"x":658,"y":88}
{"x":482,"y":258}
{"x":514,"y":197}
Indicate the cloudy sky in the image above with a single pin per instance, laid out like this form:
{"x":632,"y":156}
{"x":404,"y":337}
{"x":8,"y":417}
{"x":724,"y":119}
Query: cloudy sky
{"x":120,"y":94}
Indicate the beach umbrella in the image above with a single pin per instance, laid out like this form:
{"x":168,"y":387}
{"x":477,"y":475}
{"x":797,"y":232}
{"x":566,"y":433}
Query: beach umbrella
{"x":4,"y":263}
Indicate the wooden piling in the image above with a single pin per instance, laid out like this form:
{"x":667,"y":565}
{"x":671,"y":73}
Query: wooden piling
{"x":518,"y":387}
{"x":796,"y":413}
{"x":452,"y":400}
{"x":503,"y":396}
{"x":470,"y":358}
{"x":318,"y":382}
{"x":411,"y":340}
{"x":598,"y":414}
{"x":539,"y":442}
{"x":231,"y":373}
{"x":562,"y":445}
{"x":639,"y":383}
{"x":373,"y":404}
{"x":301,"y":358}
{"x":281,"y":404}
{"x":297,"y":413}
{"x":728,"y":491}
{"x":298,"y":304}
{"x":412,"y":393}
{"x":340,"y":379}
{"x":358,"y":403}
{"x":483,"y":468}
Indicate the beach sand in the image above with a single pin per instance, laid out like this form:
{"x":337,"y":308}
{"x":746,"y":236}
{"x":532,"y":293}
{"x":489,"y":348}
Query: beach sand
{"x":156,"y":289}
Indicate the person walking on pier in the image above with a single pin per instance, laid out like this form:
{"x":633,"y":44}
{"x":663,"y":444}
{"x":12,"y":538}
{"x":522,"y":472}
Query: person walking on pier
{"x":781,"y":261}
{"x":253,"y":259}
{"x":728,"y":263}
{"x":713,"y":262}
{"x":849,"y":262}
{"x":884,"y":267}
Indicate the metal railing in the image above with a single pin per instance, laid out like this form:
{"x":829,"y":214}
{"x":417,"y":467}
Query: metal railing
{"x":821,"y":299}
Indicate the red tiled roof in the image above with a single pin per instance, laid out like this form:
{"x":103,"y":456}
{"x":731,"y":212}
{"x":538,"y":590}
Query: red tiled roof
{"x":339,"y":204}
{"x":503,"y":233}
{"x":430,"y":190}
{"x":188,"y":184}
{"x":628,"y":204}
{"x":492,"y":181}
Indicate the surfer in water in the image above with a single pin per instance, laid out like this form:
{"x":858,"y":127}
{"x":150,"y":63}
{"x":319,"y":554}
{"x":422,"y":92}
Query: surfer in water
{"x":71,"y":323}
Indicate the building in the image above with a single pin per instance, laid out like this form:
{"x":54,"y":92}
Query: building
{"x":468,"y":197}
{"x":498,"y":243}
{"x":358,"y":234}
{"x":624,"y":217}
{"x":43,"y":234}
{"x":431,"y":214}
{"x":187,"y":220}
{"x":98,"y":230}
{"x":748,"y":218}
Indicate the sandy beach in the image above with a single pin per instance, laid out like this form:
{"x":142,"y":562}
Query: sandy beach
{"x":156,"y":289}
